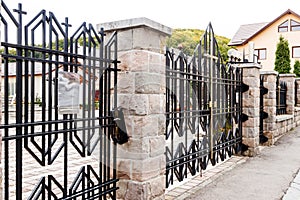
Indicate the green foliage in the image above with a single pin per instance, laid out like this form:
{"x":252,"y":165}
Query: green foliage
{"x":297,"y":68}
{"x":189,"y":38}
{"x":282,"y":59}
{"x":11,"y":52}
{"x":93,"y":41}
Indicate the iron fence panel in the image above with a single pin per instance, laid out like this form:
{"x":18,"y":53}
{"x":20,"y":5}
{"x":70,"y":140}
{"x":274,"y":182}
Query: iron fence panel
{"x":57,"y":121}
{"x":203,"y":110}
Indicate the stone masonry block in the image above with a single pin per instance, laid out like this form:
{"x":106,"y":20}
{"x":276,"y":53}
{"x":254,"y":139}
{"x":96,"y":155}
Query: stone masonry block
{"x":148,"y":83}
{"x":157,"y":63}
{"x":124,"y":168}
{"x":251,"y":142}
{"x":134,"y":61}
{"x":251,"y":72}
{"x":157,"y":145}
{"x":135,"y":149}
{"x":124,"y":101}
{"x":252,"y":122}
{"x":145,"y":126}
{"x":139,"y":104}
{"x":156,"y":189}
{"x":156,"y":103}
{"x":143,"y":170}
{"x":154,"y":40}
{"x":126,"y":83}
{"x":123,"y":188}
{"x":138,"y":191}
{"x":251,"y":132}
{"x":161,"y":124}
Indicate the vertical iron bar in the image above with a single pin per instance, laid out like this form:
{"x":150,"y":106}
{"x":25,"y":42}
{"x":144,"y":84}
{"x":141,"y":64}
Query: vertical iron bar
{"x":182,"y":113}
{"x":90,"y":101}
{"x":19,"y":91}
{"x":211,"y":80}
{"x":44,"y":74}
{"x":101,"y":107}
{"x":49,"y":103}
{"x":6,"y":118}
{"x":65,"y":117}
{"x":115,"y":105}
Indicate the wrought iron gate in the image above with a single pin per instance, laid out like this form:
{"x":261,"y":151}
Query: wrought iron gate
{"x":203,"y":110}
{"x":58,"y":94}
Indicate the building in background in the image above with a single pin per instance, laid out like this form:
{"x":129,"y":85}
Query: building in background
{"x":263,"y":37}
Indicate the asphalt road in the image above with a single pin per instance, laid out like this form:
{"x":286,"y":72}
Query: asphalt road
{"x":264,"y":177}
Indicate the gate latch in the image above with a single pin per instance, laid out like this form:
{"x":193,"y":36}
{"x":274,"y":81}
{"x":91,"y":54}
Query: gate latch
{"x":119,"y":135}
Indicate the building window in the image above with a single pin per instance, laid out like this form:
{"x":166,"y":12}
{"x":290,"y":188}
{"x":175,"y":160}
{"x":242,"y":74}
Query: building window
{"x":283,"y":27}
{"x":261,"y":54}
{"x":296,"y":52}
{"x":295,"y":26}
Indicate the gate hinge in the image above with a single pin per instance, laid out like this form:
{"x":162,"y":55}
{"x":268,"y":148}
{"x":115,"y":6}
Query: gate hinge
{"x":263,"y":90}
{"x":244,"y":87}
{"x":119,"y":135}
{"x":264,"y":115}
{"x":244,"y":117}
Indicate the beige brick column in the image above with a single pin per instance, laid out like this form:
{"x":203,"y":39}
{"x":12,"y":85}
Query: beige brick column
{"x":290,"y":95}
{"x":141,"y":93}
{"x":270,"y":127}
{"x":251,"y":74}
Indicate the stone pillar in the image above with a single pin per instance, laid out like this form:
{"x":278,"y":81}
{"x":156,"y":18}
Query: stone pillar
{"x":141,"y":93}
{"x":251,"y":74}
{"x":297,"y":100}
{"x":289,"y":79}
{"x":270,"y":127}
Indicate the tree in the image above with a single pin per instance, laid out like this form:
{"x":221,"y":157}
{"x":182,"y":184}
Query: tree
{"x":282,"y":59}
{"x":189,"y":38}
{"x":297,"y":68}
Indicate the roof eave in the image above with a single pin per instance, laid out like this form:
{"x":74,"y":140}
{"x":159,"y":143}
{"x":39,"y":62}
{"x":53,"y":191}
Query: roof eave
{"x":289,"y":11}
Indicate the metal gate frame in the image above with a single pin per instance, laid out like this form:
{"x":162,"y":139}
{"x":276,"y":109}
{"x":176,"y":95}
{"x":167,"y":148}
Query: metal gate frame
{"x":203,"y":110}
{"x":41,"y":137}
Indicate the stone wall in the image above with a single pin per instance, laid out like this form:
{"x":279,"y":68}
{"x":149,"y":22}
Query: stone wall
{"x":274,"y":126}
{"x":277,"y":125}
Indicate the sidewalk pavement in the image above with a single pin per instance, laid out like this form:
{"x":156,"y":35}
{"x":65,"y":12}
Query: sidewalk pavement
{"x":271,"y":175}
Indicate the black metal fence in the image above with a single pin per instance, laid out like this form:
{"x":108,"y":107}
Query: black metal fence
{"x":57,"y":121}
{"x":281,"y":92}
{"x":296,"y":93}
{"x":203,"y":110}
{"x":262,"y":114}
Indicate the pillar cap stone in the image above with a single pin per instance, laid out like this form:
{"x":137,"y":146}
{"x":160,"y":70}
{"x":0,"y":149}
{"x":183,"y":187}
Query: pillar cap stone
{"x":133,"y":23}
{"x":269,"y":73}
{"x":248,"y":65}
{"x":287,"y":75}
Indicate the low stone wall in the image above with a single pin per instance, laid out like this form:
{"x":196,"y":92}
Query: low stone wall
{"x":297,"y":116}
{"x":284,"y":124}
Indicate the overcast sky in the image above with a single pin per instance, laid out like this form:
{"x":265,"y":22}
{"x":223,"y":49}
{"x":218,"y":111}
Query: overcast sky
{"x":225,"y":15}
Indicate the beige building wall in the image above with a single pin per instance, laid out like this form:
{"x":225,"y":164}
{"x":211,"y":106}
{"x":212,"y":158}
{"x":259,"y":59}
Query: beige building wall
{"x":269,"y":38}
